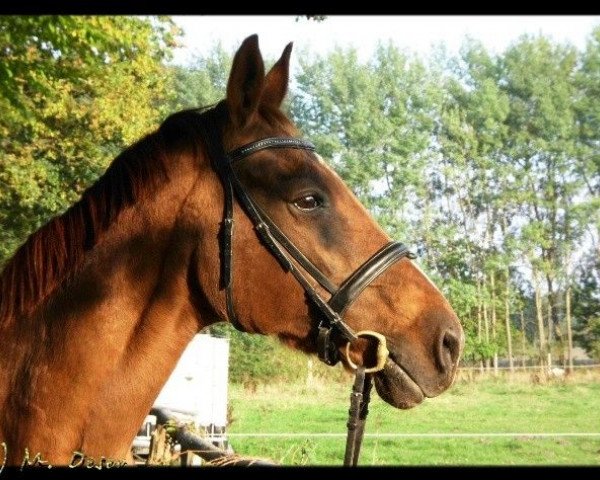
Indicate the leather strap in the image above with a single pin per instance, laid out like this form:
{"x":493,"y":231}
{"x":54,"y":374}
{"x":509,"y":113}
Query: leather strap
{"x":366,"y":273}
{"x":272,"y":142}
{"x":357,"y":415}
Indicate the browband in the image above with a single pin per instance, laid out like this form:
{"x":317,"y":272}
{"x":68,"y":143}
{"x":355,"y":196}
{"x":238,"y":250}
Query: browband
{"x":273,"y":142}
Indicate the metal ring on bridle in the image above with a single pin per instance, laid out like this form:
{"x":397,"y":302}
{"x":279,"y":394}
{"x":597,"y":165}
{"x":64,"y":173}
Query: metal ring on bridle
{"x":382,"y":351}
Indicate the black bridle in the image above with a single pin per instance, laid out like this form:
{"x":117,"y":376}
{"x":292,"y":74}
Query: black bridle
{"x":283,"y":249}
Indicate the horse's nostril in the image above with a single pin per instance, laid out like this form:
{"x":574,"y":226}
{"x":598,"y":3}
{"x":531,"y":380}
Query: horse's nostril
{"x":451,"y":343}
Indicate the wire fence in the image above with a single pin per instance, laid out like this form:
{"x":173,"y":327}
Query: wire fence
{"x":419,"y":435}
{"x":526,"y":367}
{"x":442,"y":435}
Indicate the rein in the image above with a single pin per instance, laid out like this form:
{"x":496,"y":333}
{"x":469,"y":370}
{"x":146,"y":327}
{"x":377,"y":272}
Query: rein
{"x":357,"y":415}
{"x":331,"y":324}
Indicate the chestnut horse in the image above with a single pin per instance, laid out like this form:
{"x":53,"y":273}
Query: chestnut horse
{"x":98,"y":305}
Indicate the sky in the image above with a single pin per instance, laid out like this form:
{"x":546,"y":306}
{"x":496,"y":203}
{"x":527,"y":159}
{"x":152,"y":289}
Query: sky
{"x":415,"y":33}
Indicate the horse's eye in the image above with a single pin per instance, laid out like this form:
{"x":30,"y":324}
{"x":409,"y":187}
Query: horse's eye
{"x":308,"y":202}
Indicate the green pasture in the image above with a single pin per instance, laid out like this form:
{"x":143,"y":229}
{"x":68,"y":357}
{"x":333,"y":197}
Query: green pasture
{"x":499,"y":405}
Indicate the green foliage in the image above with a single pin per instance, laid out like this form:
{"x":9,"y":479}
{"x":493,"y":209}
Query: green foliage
{"x":587,"y":107}
{"x":74,"y":91}
{"x":203,"y":82}
{"x":372,"y":121}
{"x":256,"y":359}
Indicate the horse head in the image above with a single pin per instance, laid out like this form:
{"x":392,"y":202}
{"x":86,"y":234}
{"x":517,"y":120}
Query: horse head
{"x":326,"y":236}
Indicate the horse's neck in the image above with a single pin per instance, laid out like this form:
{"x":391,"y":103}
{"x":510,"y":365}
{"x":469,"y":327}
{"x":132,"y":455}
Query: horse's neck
{"x":107,"y":343}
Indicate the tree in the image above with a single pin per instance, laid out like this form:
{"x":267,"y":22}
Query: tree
{"x":74,"y":91}
{"x":470,"y":192}
{"x":373,"y":122}
{"x":586,"y":303}
{"x":203,"y":82}
{"x":538,"y":78}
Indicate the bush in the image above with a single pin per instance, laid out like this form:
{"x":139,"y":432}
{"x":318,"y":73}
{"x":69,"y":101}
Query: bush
{"x":256,"y":359}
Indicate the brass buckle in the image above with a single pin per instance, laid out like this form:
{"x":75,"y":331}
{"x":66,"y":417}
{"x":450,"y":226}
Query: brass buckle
{"x":382,"y":351}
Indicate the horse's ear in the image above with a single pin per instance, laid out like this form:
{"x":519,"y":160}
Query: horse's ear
{"x":246,"y":81}
{"x":276,"y":83}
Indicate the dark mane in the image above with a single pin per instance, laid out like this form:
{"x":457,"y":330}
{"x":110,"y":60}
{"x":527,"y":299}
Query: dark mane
{"x":57,"y":249}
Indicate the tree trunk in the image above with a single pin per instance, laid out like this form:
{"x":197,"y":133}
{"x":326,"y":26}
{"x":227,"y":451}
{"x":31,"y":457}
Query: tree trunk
{"x":523,"y":341}
{"x":550,"y":332}
{"x":479,"y":320}
{"x":486,"y":326}
{"x":493,"y":313}
{"x":540,"y":319}
{"x":553,"y":320}
{"x":569,"y":330}
{"x":507,"y":323}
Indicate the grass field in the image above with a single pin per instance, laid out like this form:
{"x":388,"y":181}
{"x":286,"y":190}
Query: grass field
{"x":483,"y":406}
